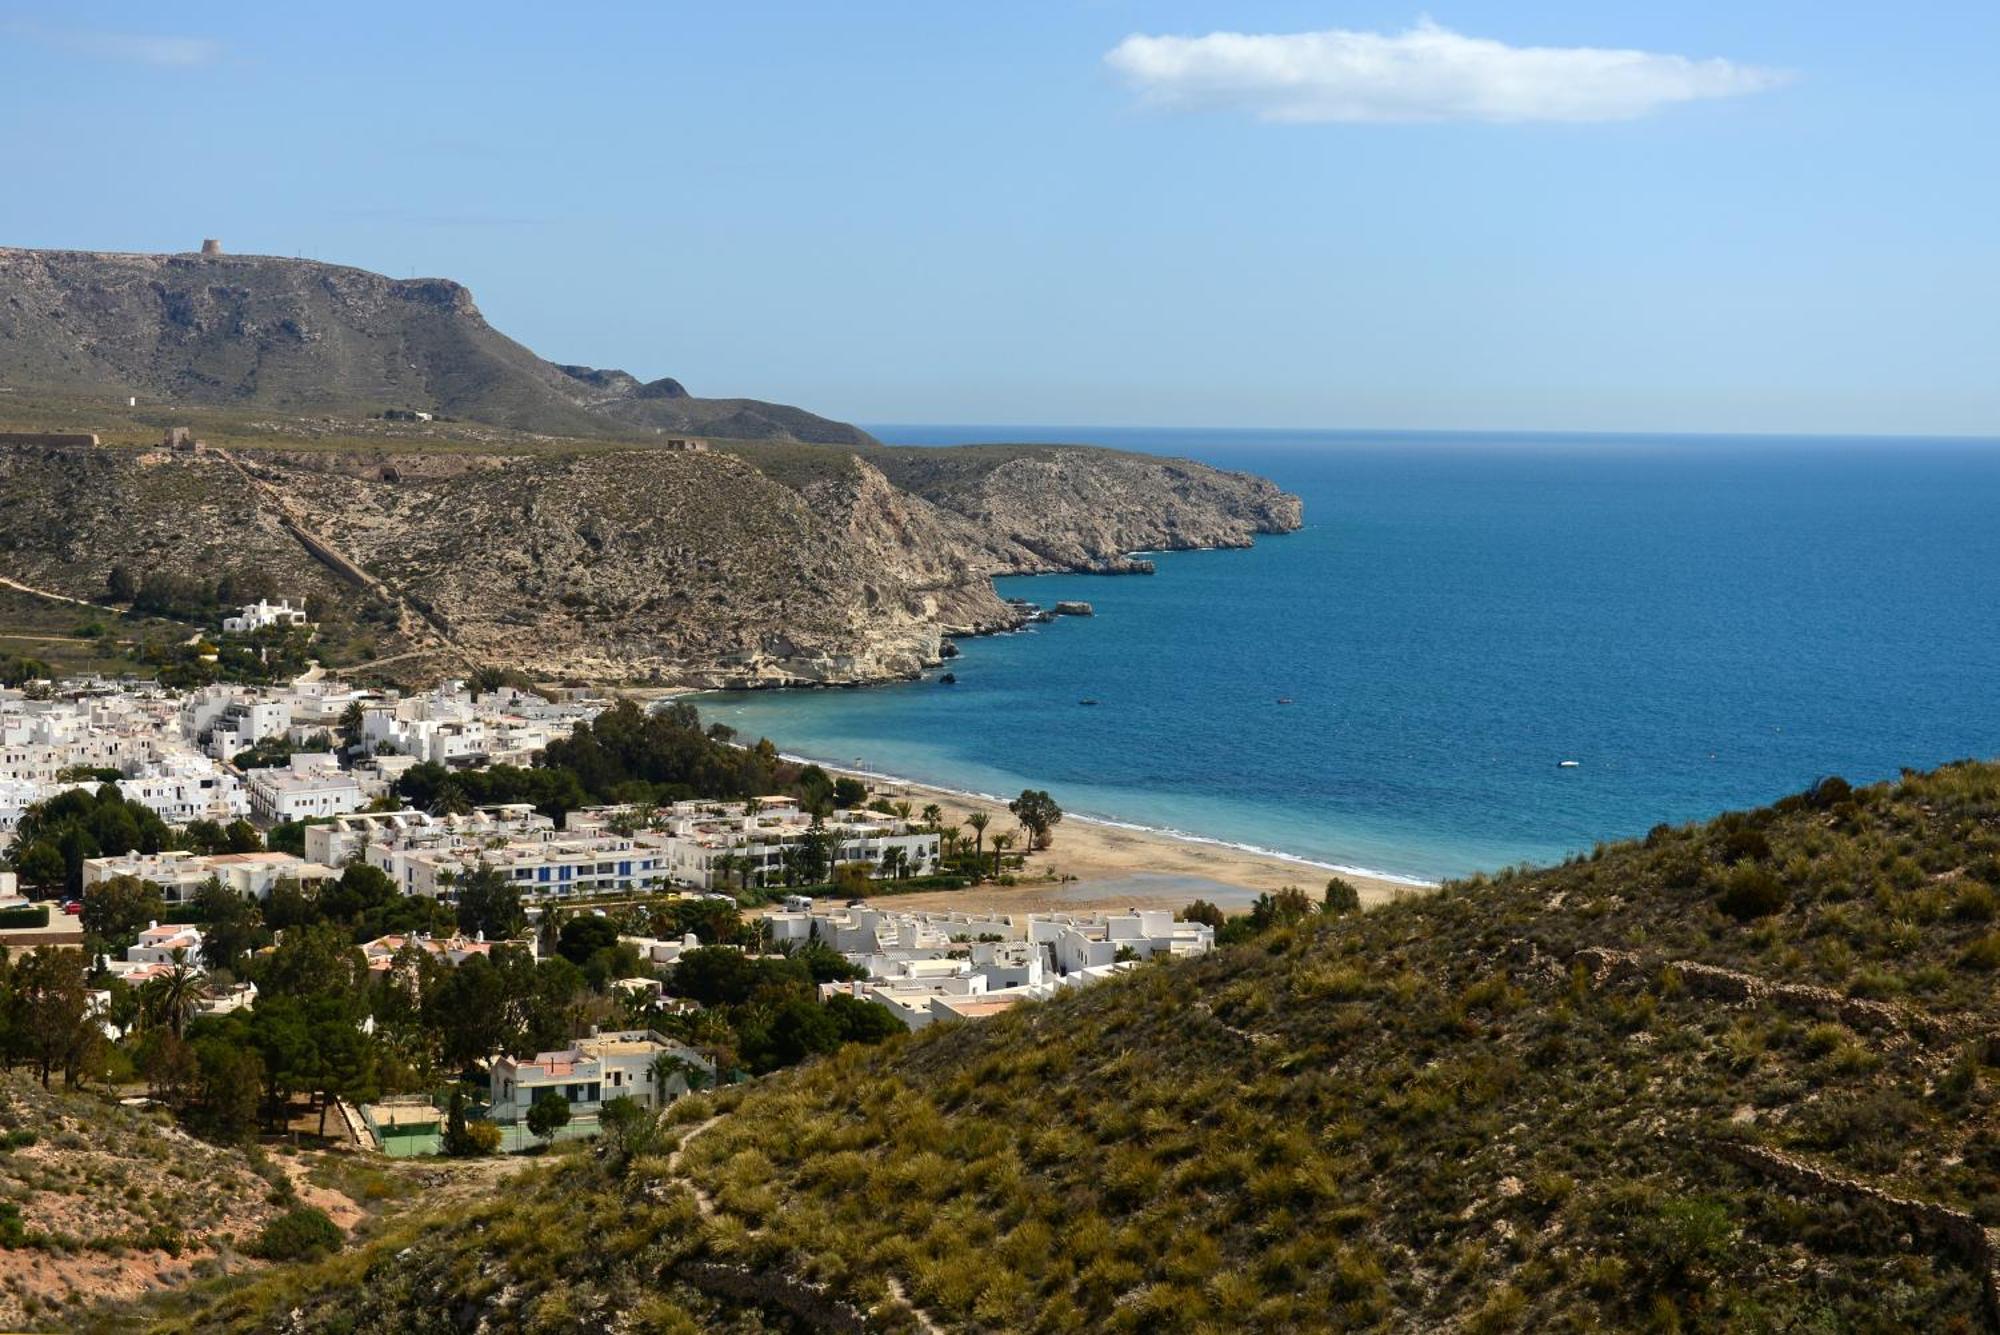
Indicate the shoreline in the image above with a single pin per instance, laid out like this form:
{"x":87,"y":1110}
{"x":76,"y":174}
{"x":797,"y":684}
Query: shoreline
{"x":1100,"y":862}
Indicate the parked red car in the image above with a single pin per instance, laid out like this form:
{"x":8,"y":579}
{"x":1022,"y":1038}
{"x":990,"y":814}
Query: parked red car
{"x":74,"y":907}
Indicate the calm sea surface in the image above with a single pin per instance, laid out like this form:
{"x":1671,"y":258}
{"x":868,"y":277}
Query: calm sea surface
{"x":1702,"y":623}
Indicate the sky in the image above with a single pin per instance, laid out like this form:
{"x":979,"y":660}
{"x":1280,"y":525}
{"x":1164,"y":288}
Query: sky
{"x":1532,"y":215}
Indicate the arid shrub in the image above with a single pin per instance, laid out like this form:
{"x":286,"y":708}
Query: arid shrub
{"x":1751,"y":892}
{"x":1746,"y":844}
{"x":298,"y":1235}
{"x":1983,"y":954}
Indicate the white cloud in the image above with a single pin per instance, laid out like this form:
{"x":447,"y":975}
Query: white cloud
{"x":164,"y":49}
{"x":1429,"y":73}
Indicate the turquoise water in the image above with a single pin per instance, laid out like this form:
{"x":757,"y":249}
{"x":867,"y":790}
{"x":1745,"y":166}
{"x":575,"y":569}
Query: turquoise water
{"x":1702,"y":623}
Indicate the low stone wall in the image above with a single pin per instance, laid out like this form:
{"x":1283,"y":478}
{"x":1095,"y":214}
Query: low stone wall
{"x":803,"y":1301}
{"x":1707,"y":980}
{"x":60,"y":439}
{"x":1963,"y":1233}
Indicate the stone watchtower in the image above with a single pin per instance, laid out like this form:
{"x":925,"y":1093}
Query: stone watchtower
{"x":210,"y":246}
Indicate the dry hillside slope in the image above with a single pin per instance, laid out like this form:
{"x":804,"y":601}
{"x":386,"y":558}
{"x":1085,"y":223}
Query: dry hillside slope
{"x":616,"y":565}
{"x":1734,"y":1076}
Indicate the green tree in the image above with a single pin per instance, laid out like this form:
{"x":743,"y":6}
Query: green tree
{"x":220,"y":1100}
{"x":785,"y":1032}
{"x":548,"y":1114}
{"x":316,"y":962}
{"x":626,"y":1131}
{"x":120,"y":585}
{"x":489,"y":905}
{"x":231,"y":926}
{"x":117,"y":910}
{"x":583,"y":936}
{"x":54,"y":1021}
{"x":861,"y":1021}
{"x":1341,"y":897}
{"x":1203,"y":911}
{"x":671,"y":1066}
{"x":1038,"y":814}
{"x":171,"y":998}
{"x":1289,"y":905}
{"x":978,"y":820}
{"x":40,"y":866}
{"x":349,"y":726}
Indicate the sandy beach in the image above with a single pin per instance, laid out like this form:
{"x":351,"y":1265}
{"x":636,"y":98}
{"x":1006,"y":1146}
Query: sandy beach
{"x":1118,"y":867}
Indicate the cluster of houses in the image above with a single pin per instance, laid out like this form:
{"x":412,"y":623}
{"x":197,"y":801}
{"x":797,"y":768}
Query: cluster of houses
{"x":172,"y":750}
{"x":926,"y":967}
{"x":174,"y":753}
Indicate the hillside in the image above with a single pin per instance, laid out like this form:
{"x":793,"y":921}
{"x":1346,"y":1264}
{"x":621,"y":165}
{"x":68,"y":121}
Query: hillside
{"x":300,"y":337}
{"x":1735,"y":1076}
{"x":108,"y":1204}
{"x":774,"y":566}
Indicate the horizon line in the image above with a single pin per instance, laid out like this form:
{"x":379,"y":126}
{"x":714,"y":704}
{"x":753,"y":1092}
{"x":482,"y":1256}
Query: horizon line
{"x":1530,"y":433}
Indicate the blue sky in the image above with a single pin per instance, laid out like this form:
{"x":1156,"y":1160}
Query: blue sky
{"x":947,"y":212}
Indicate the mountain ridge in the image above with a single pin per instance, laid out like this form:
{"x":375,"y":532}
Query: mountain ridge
{"x":307,"y":336}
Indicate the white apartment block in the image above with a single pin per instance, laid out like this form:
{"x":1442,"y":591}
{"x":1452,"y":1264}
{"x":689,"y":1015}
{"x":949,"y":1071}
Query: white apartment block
{"x":310,"y":785}
{"x":180,"y":874}
{"x":450,"y":726}
{"x":711,"y":841}
{"x":187,"y":788}
{"x":350,"y":836}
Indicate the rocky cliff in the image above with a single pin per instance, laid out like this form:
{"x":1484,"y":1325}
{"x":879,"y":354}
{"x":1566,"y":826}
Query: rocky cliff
{"x":1072,"y":507}
{"x":628,"y":565}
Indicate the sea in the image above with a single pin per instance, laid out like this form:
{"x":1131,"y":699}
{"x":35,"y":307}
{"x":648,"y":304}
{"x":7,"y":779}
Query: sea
{"x":1698,"y":623}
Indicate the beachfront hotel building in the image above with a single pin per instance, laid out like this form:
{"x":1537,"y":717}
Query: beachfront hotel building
{"x":715,"y":844}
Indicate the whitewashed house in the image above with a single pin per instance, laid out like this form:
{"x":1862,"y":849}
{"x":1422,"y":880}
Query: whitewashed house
{"x":260,"y":614}
{"x":590,"y":1073}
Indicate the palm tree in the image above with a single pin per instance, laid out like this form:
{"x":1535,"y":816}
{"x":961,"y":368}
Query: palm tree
{"x":1001,"y":843}
{"x":893,"y":862}
{"x":978,"y":820}
{"x":173,"y":996}
{"x":670,"y":1064}
{"x":903,"y":810}
{"x":933,"y":815}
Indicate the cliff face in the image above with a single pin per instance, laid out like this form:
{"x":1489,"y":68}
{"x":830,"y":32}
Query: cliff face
{"x":1073,"y":507}
{"x":622,"y":565}
{"x":300,"y":336}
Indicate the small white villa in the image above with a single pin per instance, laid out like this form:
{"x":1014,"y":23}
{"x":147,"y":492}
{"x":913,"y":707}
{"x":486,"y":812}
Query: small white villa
{"x":258,"y":615}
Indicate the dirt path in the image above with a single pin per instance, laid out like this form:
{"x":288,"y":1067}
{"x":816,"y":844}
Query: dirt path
{"x":294,"y":521}
{"x":19,"y":587}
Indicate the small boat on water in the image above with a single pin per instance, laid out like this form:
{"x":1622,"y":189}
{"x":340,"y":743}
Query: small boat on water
{"x":1088,"y":700}
{"x":1568,"y":764}
{"x":1284,"y":699}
